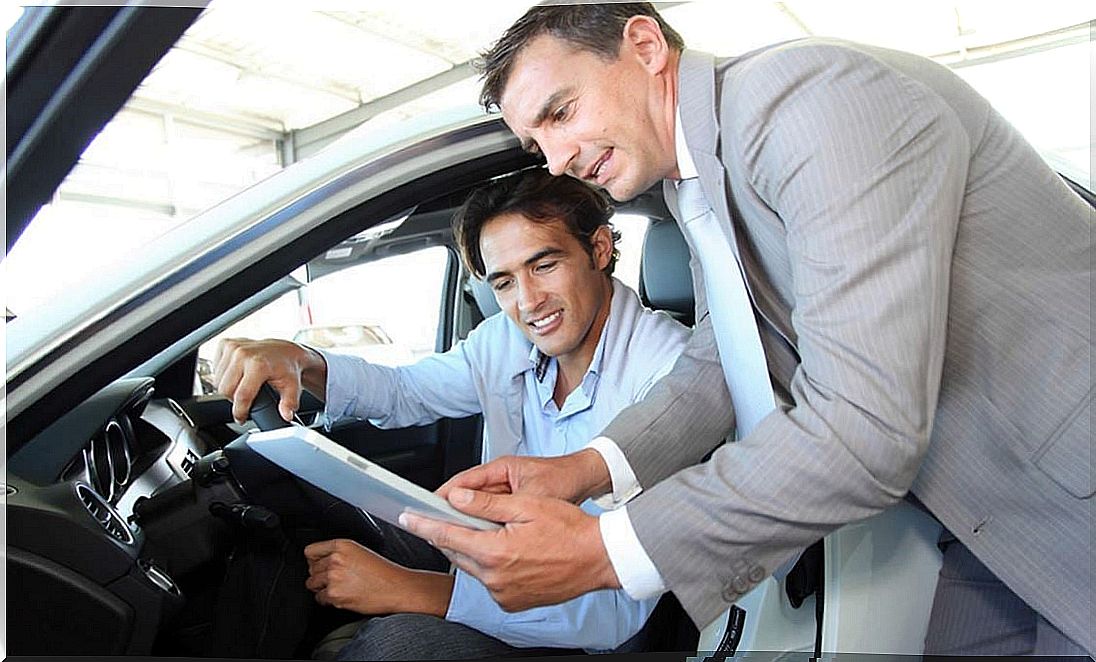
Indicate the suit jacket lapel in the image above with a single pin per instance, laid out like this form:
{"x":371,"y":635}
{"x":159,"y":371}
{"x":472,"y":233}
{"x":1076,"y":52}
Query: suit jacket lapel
{"x":696,"y":104}
{"x":699,"y":118}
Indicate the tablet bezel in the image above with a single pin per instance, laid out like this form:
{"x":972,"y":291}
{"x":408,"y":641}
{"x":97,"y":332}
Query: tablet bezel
{"x":352,"y":478}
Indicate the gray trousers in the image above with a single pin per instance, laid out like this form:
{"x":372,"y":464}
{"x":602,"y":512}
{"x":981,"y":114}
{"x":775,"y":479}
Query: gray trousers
{"x":422,"y":637}
{"x":974,"y":613}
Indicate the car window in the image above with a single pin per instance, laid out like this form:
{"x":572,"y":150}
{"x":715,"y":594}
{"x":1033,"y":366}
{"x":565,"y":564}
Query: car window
{"x":397,"y":300}
{"x":632,"y":228}
{"x":386,"y":312}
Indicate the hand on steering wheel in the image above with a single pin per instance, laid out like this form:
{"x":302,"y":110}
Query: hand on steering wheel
{"x":243,"y":366}
{"x":264,"y":410}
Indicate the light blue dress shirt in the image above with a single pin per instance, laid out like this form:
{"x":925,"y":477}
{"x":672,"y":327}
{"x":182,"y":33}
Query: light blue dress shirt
{"x":493,"y":372}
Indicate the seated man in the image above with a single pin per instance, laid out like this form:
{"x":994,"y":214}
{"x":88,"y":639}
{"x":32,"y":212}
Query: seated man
{"x":574,"y":347}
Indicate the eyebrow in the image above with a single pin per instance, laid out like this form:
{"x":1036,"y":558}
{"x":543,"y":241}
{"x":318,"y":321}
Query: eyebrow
{"x":536,"y":257}
{"x":547,"y":109}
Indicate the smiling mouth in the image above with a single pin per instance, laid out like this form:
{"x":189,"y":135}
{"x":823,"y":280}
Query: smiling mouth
{"x":595,"y":172}
{"x":546,"y":321}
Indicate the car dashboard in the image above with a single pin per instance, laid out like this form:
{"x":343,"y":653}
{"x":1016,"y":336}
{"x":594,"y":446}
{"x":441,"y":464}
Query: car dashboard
{"x":74,"y":542}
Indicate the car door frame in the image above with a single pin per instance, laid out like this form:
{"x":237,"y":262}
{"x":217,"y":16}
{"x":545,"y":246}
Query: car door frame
{"x":69,"y":71}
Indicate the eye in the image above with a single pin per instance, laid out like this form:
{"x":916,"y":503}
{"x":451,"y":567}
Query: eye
{"x":501,"y":285}
{"x":545,"y":267}
{"x":561,"y":112}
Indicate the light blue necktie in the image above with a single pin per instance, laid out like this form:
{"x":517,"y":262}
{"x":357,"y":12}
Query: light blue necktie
{"x":740,"y":354}
{"x":736,"y":335}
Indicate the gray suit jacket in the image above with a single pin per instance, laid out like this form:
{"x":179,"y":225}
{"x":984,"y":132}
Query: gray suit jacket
{"x":923,"y":288}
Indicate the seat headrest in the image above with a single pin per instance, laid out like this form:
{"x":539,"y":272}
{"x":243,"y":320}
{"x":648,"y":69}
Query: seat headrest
{"x":484,"y":296}
{"x":666,"y":283}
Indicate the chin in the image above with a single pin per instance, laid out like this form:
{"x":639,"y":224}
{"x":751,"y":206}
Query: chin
{"x":547,"y":350}
{"x":552,"y":349}
{"x":621,"y":192}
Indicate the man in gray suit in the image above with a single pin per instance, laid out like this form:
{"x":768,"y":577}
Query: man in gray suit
{"x":921,"y":284}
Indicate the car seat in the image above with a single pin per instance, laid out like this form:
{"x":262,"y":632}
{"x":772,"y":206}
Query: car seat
{"x":665,"y":279}
{"x":484,"y":297}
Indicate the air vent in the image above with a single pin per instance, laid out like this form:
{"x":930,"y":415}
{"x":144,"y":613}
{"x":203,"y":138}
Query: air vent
{"x":189,"y":461}
{"x":180,"y":412}
{"x":104,"y":514}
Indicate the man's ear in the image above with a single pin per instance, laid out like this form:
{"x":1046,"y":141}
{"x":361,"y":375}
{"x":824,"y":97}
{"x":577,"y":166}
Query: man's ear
{"x":643,"y":38}
{"x":602,"y":241}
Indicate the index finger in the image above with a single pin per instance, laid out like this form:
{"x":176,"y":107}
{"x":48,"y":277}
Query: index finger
{"x":244,"y":395}
{"x":491,"y":477}
{"x":318,"y":550}
{"x":225,"y":347}
{"x":453,"y":537}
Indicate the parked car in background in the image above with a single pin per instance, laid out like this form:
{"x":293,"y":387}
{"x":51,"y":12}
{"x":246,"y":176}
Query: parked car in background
{"x":369,"y":341}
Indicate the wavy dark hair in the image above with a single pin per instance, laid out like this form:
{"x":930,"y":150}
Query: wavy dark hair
{"x":595,"y":27}
{"x":541,"y":198}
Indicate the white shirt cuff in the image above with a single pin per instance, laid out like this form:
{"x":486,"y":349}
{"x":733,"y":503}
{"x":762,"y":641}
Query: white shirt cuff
{"x":637,"y":574}
{"x":625,"y":484}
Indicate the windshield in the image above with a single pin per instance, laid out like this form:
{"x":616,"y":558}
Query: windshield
{"x":245,"y":94}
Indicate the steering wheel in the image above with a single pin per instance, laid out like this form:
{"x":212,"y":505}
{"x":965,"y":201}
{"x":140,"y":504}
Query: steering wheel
{"x":264,"y":409}
{"x":339,"y":516}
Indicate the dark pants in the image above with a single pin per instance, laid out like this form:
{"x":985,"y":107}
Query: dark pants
{"x":974,"y":613}
{"x":410,"y":551}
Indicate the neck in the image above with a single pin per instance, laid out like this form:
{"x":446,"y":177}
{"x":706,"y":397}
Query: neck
{"x":669,"y":110}
{"x":573,"y":365}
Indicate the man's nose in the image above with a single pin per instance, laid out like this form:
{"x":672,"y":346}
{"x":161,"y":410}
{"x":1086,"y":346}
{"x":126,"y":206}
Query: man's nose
{"x":560,"y":153}
{"x":529,"y":295}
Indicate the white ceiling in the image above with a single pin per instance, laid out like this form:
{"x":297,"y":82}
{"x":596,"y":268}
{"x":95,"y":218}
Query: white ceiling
{"x":279,"y":67}
{"x":254,"y":85}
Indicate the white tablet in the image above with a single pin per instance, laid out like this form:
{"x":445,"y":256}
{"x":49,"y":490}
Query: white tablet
{"x":354,"y":479}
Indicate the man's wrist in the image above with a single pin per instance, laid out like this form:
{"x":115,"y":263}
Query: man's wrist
{"x":604,"y":575}
{"x":313,"y":371}
{"x":594,"y":472}
{"x":428,"y":593}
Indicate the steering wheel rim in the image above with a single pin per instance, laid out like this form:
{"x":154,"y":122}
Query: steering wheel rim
{"x":264,"y":409}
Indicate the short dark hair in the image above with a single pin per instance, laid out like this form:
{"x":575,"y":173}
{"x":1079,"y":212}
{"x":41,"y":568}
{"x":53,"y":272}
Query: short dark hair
{"x":594,"y":27}
{"x":541,"y":198}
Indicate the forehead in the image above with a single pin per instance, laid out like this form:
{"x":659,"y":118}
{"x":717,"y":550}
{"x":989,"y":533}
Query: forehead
{"x":546,"y":66}
{"x":509,"y":239}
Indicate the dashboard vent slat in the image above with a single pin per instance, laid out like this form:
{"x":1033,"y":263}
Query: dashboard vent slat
{"x":104,"y":514}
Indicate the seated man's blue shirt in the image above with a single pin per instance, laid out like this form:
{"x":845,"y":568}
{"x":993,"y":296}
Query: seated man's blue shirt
{"x":498,"y":372}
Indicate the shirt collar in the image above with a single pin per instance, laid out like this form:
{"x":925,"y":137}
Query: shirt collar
{"x":686,"y":167}
{"x":578,"y":400}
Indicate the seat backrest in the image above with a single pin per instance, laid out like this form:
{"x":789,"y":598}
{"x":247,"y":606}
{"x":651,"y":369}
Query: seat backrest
{"x":484,"y":296}
{"x":665,"y":281}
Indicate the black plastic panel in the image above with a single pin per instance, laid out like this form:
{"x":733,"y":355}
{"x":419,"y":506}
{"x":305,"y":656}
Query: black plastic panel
{"x":52,"y":522}
{"x":54,"y":611}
